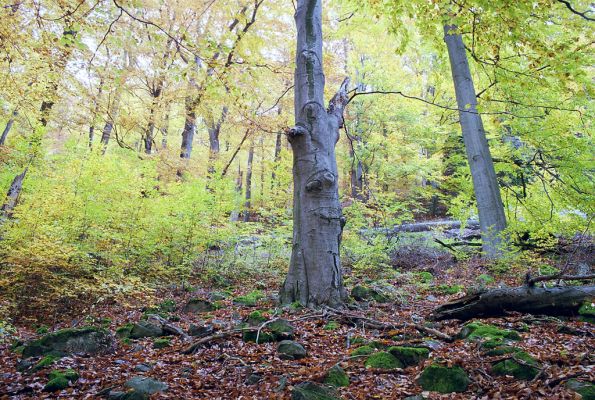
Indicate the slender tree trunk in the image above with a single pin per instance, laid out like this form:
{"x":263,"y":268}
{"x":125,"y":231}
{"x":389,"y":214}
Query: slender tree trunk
{"x":8,"y":127}
{"x":189,"y":128}
{"x":248,"y":204}
{"x":315,"y":276}
{"x":485,"y":184}
{"x":96,"y":103}
{"x":165,"y":127}
{"x":111,"y":120}
{"x":276,"y":158}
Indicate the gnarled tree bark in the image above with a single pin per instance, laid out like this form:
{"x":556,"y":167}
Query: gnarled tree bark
{"x":314,"y":276}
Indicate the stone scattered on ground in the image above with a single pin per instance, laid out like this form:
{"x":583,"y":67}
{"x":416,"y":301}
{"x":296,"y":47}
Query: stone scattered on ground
{"x":198,"y":306}
{"x":144,"y":329}
{"x":520,"y":365}
{"x":313,"y":391}
{"x":409,"y":356}
{"x":336,"y":376}
{"x":87,"y":340}
{"x":60,"y":379}
{"x":442,"y":379}
{"x":200,"y":331}
{"x":383,"y":360}
{"x":290,"y":350}
{"x":145,"y":385}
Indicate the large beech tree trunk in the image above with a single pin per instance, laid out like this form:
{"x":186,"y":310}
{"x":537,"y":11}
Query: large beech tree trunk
{"x":485,"y":185}
{"x":525,"y":299}
{"x":314,"y":276}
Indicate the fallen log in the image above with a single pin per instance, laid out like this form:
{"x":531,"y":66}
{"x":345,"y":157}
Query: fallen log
{"x":525,"y":299}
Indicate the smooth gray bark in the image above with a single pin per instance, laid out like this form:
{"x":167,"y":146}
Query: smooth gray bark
{"x":315,"y":276}
{"x":492,"y":219}
{"x":248,"y":203}
{"x":7,"y":128}
{"x":189,"y":128}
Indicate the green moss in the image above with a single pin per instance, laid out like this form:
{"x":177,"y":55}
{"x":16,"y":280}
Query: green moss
{"x":45,"y":362}
{"x":377,"y":344}
{"x":167,"y":306}
{"x":360,"y":293}
{"x":336,"y":376}
{"x":161,"y":343}
{"x":42,"y":330}
{"x":281,"y":329}
{"x":501,"y":350}
{"x":409,"y":355}
{"x":124,"y":331}
{"x":449,"y":289}
{"x":249,"y":335}
{"x":585,"y":389}
{"x":477,"y":330}
{"x":362,"y":351}
{"x":383,"y":360}
{"x":331,"y":326}
{"x":313,"y":391}
{"x":59,"y":383}
{"x":255,"y":318}
{"x":88,"y":339}
{"x":485,"y":279}
{"x":437,"y":378}
{"x":59,"y":379}
{"x":525,"y":369}
{"x":69,"y":374}
{"x":425,"y":277}
{"x":358,"y":340}
{"x":250,"y":299}
{"x":587,"y":309}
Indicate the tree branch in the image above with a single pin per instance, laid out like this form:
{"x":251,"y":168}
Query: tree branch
{"x":581,"y":14}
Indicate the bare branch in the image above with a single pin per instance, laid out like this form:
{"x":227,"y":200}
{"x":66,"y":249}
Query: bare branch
{"x":581,"y":14}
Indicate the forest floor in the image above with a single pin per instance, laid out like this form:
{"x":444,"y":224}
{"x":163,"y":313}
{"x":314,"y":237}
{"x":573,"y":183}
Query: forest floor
{"x":229,"y":368}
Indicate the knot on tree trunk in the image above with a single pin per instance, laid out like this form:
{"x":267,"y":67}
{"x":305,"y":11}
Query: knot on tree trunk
{"x":320,"y":180}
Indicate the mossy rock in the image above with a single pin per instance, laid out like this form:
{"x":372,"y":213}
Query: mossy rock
{"x":198,"y":306}
{"x":69,"y":374}
{"x":161,"y":343}
{"x":332,"y":326}
{"x":479,"y":331}
{"x":502,"y":350}
{"x":442,"y":379}
{"x":409,"y":355}
{"x":290,"y":350}
{"x":45,"y":362}
{"x":361,"y":293}
{"x":527,"y":369}
{"x":144,"y":329}
{"x":585,"y":389}
{"x":54,"y":385}
{"x":145,"y":385}
{"x":123,"y":331}
{"x":87,"y":340}
{"x":167,"y":306}
{"x":363,"y":351}
{"x":200,"y":330}
{"x":281,"y":329}
{"x":255,"y":318}
{"x":358,"y":340}
{"x":336,"y":376}
{"x":60,"y":379}
{"x":313,"y":391}
{"x":383,"y":360}
{"x":250,"y":299}
{"x":218,"y":296}
{"x":249,"y":335}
